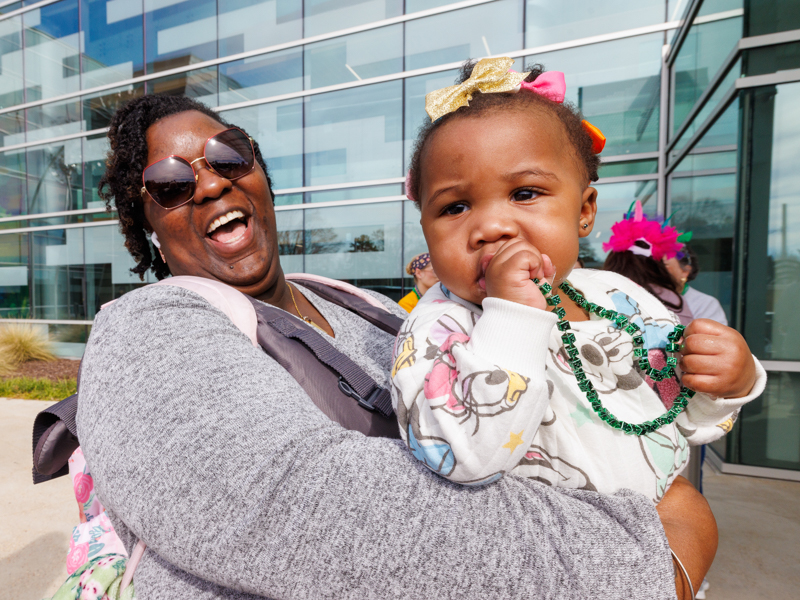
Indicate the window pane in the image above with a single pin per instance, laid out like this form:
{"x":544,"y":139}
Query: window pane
{"x":278,"y":129}
{"x":53,"y":120}
{"x":413,"y":241}
{"x":706,"y":206}
{"x":58,"y":274}
{"x":200,"y":85}
{"x":707,"y":161}
{"x":354,"y":57}
{"x":725,"y":129}
{"x":12,"y":128}
{"x":703,"y":51}
{"x":354,"y":135}
{"x":475,"y":32}
{"x":359,"y":193}
{"x":95,"y":150}
{"x":359,"y":244}
{"x":415,"y":116}
{"x":323,"y":16}
{"x":179,"y":32}
{"x":613,"y":200}
{"x":108,"y":266}
{"x":549,"y":22}
{"x":246,"y":25}
{"x":10,"y":8}
{"x":770,"y":430}
{"x":11,"y":81}
{"x":623,"y":169}
{"x":52,"y":42}
{"x":14,"y":291}
{"x":616,"y":86}
{"x":773,"y":276}
{"x":98,"y":108}
{"x":54,"y":177}
{"x":261,"y":76}
{"x":773,"y":16}
{"x":290,"y":240}
{"x":12,"y":182}
{"x":113,"y":41}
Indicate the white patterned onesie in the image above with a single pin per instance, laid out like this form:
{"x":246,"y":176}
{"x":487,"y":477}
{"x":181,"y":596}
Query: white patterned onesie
{"x":484,"y":391}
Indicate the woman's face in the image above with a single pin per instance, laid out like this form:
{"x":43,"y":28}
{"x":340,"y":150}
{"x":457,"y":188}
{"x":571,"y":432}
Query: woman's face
{"x":426,"y":276}
{"x":243,"y":253}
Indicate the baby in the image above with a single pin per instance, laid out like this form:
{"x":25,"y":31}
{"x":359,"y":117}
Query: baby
{"x":577,"y":384}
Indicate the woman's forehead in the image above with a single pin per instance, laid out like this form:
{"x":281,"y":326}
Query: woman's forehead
{"x":184,"y":132}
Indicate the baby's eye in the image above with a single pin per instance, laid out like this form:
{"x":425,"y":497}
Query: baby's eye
{"x":525,"y":194}
{"x":455,"y":209}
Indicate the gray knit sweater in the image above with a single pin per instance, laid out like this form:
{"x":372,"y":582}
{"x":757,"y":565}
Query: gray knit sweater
{"x":205,"y":448}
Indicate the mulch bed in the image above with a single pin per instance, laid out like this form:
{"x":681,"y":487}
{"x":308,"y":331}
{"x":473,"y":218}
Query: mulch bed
{"x":63,"y":368}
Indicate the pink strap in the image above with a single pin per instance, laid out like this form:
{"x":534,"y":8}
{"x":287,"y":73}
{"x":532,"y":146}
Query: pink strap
{"x":230,"y":301}
{"x":339,"y":285}
{"x":549,"y":84}
{"x":133,"y":562}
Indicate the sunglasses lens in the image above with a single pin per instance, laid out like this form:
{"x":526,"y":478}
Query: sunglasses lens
{"x":230,"y":154}
{"x":170,"y":181}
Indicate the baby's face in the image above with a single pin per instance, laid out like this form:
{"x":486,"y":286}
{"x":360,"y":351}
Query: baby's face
{"x":498,"y":177}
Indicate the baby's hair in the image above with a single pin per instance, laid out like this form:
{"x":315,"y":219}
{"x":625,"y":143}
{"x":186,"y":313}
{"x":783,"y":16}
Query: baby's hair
{"x":567,"y":114}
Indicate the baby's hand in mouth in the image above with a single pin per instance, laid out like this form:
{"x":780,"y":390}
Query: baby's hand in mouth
{"x":509,"y":273}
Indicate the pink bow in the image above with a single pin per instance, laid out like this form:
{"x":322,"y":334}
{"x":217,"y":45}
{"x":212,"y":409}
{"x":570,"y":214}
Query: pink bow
{"x":549,"y":84}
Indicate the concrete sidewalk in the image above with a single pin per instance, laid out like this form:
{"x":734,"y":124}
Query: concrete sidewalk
{"x":759,"y":537}
{"x":36,"y":521}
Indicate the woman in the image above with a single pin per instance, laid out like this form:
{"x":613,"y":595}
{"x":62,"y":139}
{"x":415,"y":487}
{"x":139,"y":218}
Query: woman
{"x":421,"y":269}
{"x":684,"y":270}
{"x":638,"y":247}
{"x":204,"y":448}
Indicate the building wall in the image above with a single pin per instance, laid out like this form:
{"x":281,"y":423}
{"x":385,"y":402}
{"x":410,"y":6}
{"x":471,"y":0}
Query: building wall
{"x":334,"y":93}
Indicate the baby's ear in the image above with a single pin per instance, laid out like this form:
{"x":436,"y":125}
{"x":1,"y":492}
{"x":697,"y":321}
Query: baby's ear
{"x":588,"y":211}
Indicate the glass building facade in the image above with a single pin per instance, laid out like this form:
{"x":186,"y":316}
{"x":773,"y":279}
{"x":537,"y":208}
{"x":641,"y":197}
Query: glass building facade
{"x":698,"y":99}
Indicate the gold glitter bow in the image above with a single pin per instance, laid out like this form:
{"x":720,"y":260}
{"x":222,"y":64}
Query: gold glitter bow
{"x":491,"y":75}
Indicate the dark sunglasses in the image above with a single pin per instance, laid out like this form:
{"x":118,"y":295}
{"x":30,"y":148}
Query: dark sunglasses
{"x":172,"y":181}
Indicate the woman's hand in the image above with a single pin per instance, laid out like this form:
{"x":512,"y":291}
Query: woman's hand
{"x":691,"y":531}
{"x":716,"y":360}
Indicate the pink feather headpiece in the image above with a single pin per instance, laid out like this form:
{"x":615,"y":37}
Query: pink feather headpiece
{"x":663,"y":241}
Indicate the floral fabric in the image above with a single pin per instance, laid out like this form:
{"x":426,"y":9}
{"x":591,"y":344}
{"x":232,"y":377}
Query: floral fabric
{"x":95,"y":535}
{"x":472,"y":410}
{"x":97,"y":579}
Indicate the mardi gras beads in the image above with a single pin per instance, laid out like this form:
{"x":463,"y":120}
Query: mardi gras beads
{"x":623,"y":323}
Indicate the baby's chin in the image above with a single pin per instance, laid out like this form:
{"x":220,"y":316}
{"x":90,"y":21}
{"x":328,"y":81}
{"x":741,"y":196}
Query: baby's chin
{"x":473,"y":293}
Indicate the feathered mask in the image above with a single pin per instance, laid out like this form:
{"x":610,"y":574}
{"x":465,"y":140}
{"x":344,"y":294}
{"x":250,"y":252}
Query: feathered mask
{"x":661,"y":240}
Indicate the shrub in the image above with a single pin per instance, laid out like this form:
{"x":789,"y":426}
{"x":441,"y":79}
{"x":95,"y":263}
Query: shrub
{"x":20,"y":343}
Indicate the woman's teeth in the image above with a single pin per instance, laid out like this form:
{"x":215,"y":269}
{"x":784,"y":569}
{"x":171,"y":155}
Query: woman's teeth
{"x":220,"y":221}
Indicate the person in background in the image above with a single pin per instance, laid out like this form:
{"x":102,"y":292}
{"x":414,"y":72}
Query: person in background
{"x":683,"y":269}
{"x":421,"y":269}
{"x":638,"y":247}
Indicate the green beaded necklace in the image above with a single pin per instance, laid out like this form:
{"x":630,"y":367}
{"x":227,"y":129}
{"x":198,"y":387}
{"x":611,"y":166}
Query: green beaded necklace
{"x":622,"y":322}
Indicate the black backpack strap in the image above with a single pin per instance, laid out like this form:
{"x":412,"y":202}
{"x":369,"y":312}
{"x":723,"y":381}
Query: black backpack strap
{"x":380,"y":317}
{"x":332,"y":380}
{"x":353,"y":381}
{"x":55,"y":438}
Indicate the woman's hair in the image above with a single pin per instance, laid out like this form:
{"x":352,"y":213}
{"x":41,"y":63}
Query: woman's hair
{"x":689,"y":259}
{"x":646,"y":271}
{"x":566,"y":113}
{"x":121,"y":183}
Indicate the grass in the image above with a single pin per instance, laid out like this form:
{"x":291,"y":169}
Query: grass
{"x":29,"y":388}
{"x":21,"y":343}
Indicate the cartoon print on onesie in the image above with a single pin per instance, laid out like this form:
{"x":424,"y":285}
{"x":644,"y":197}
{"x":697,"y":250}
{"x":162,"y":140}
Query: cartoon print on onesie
{"x":445,"y":393}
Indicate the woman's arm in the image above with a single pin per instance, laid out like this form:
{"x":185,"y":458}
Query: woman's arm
{"x":212,"y":455}
{"x":691,"y":531}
